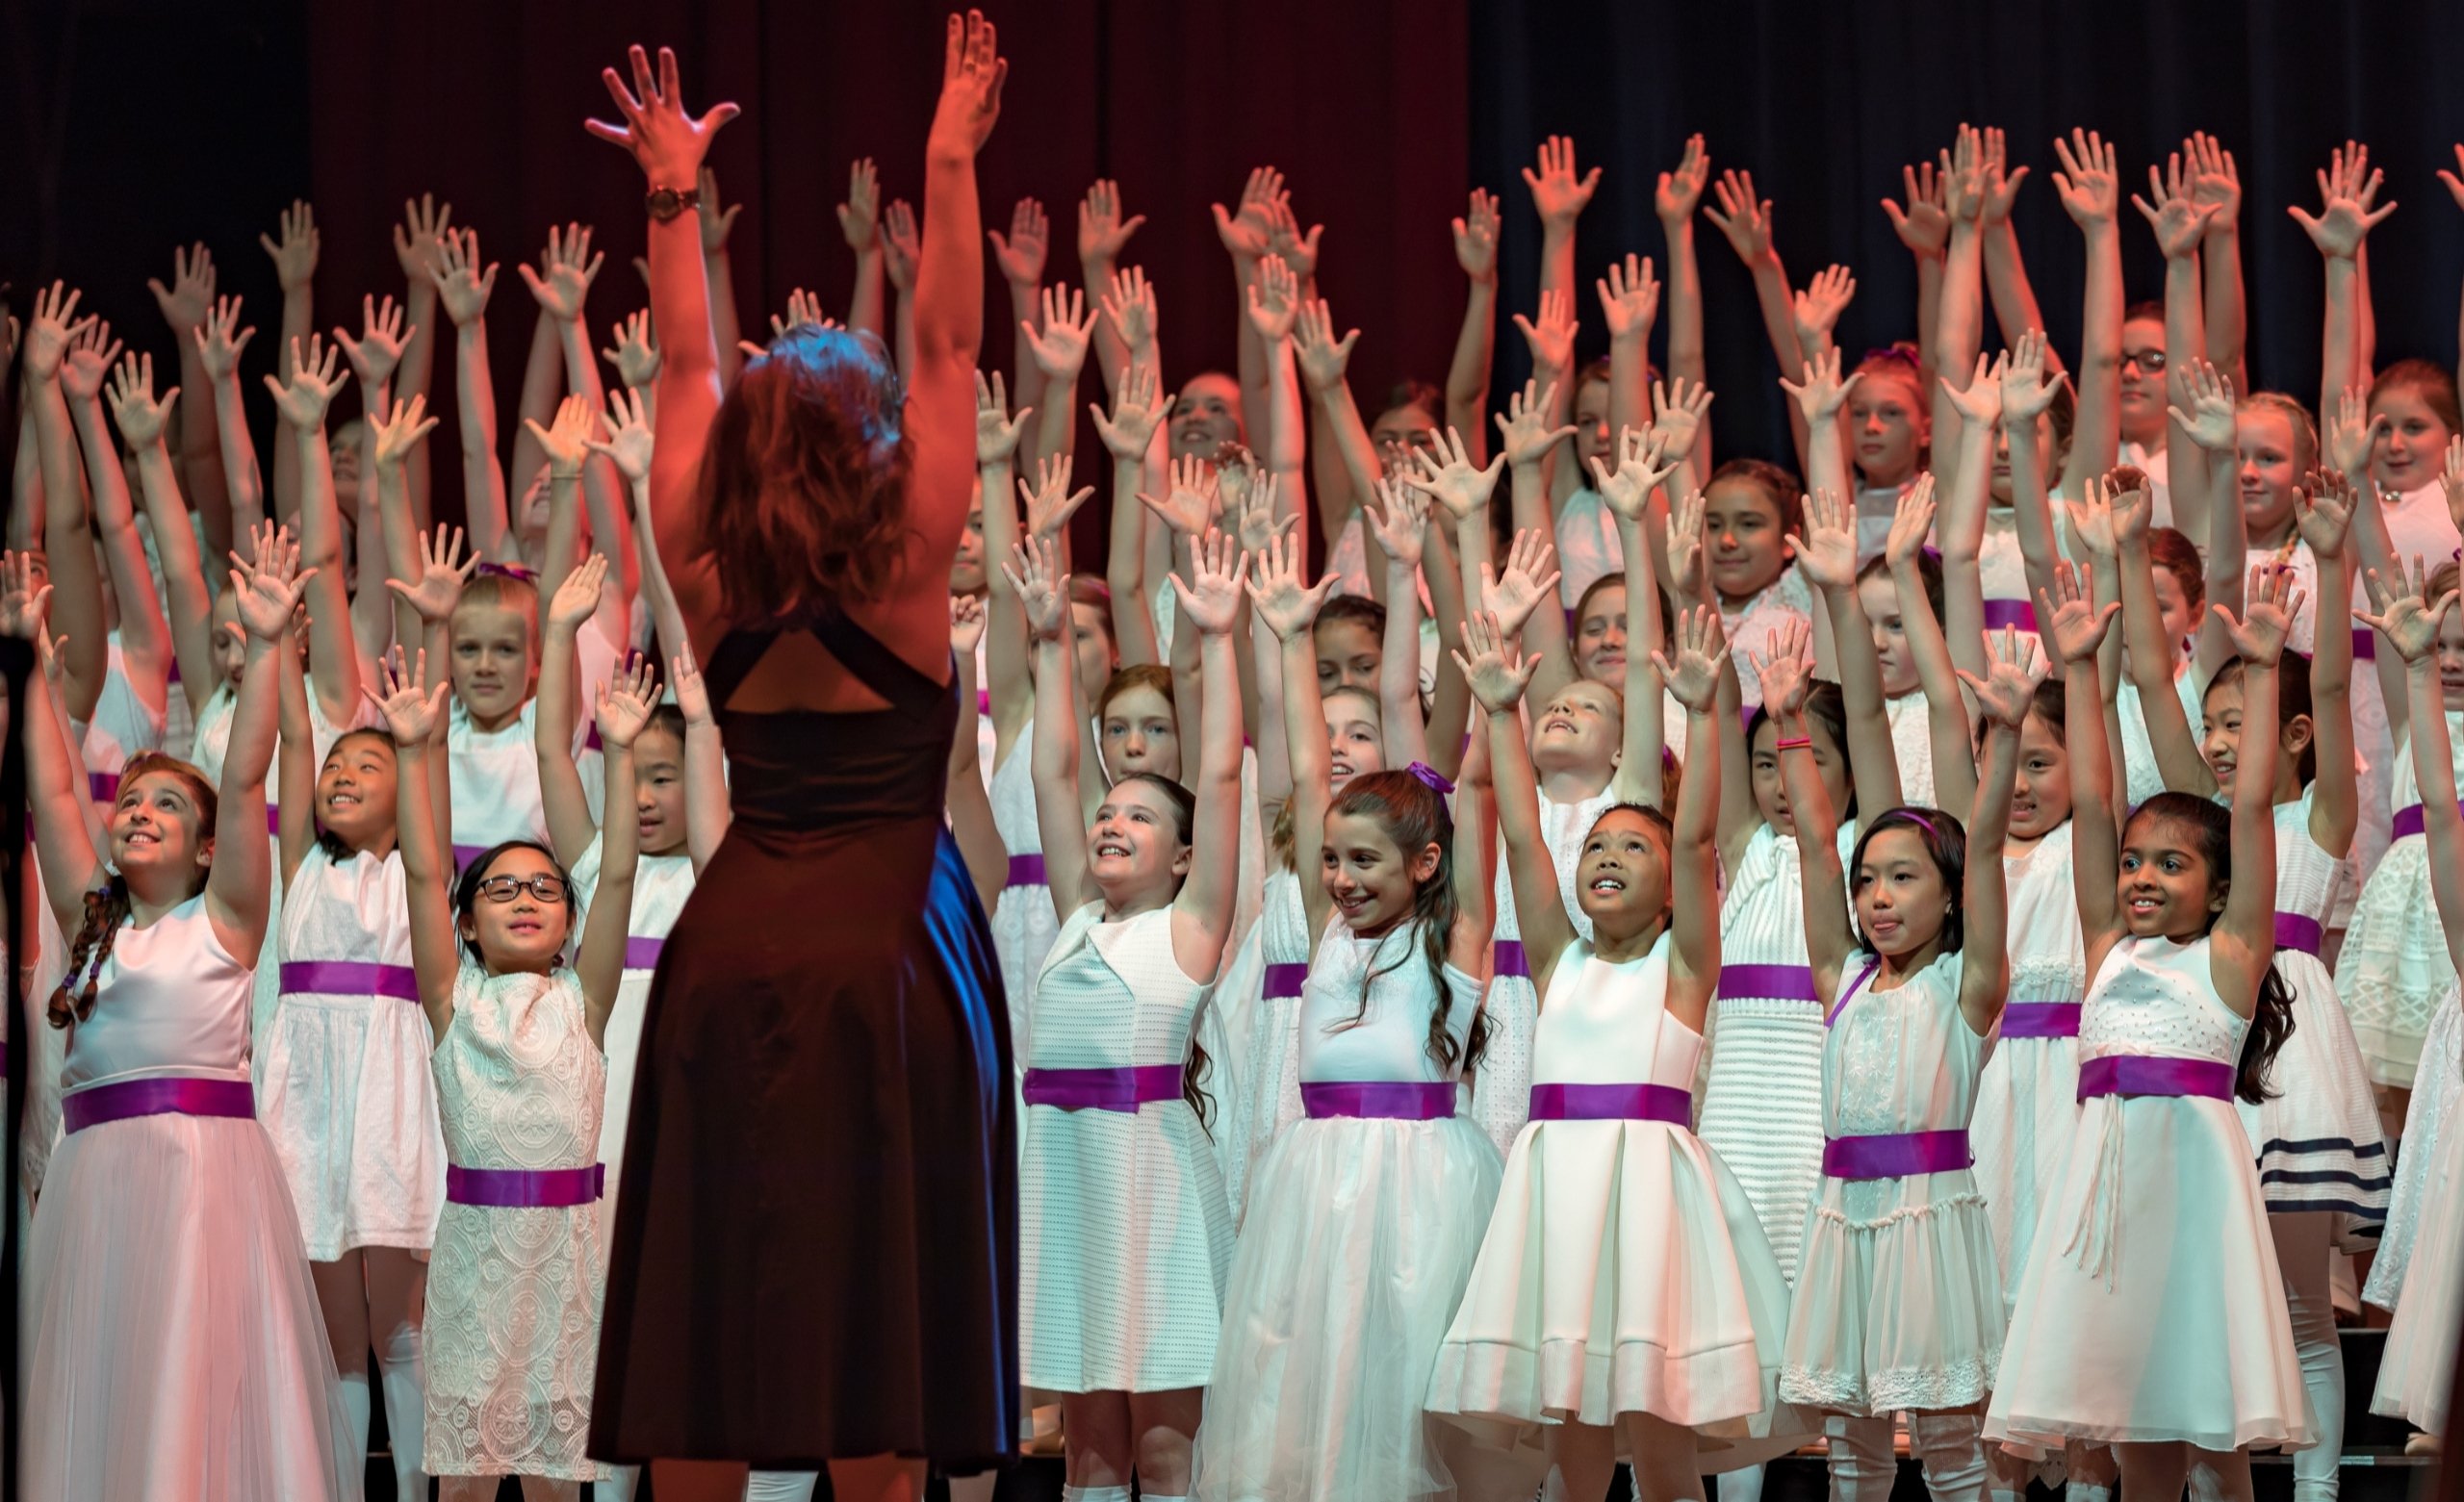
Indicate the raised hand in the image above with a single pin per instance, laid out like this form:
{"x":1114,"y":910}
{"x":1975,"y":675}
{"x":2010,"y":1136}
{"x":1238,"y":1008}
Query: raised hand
{"x":141,"y":417}
{"x":1828,"y":554}
{"x":378,"y":349}
{"x":1822,"y":392}
{"x":1322,"y":357}
{"x":442,"y":572}
{"x":1401,"y":522}
{"x":54,"y":324}
{"x":565,"y":272}
{"x":859,"y":216}
{"x":1557,"y":193}
{"x":635,"y":356}
{"x":1680,"y":191}
{"x":2090,"y":181}
{"x":804,"y":311}
{"x":1924,"y":226}
{"x":624,"y":703}
{"x":1787,"y":673}
{"x":1130,"y":305}
{"x":461,"y":283}
{"x":1529,"y":579}
{"x":1033,"y":571}
{"x":2406,"y":616}
{"x":1249,"y":234}
{"x":2323,"y":507}
{"x":2209,"y":421}
{"x":630,"y":441}
{"x":2027,"y":389}
{"x":92,"y":351}
{"x":2001,"y":184}
{"x":1102,"y":231}
{"x":715,"y":221}
{"x":219,"y":339}
{"x":1552,"y":338}
{"x":1298,"y":252}
{"x":1190,"y":499}
{"x":966,"y":625}
{"x":410,"y":707}
{"x":1678,"y":414}
{"x":1691,"y":667}
{"x":302,"y":398}
{"x":1963,"y":175}
{"x":2347,"y":214}
{"x":24,"y":602}
{"x":576,"y":599}
{"x":997,"y":432}
{"x":419,"y":239}
{"x":1138,"y":408}
{"x":1686,"y":549}
{"x":1912,"y":522}
{"x":1060,"y":346}
{"x":1276,"y":592}
{"x":2013,"y":670}
{"x":1980,"y":403}
{"x":294,"y":255}
{"x":902,"y":245}
{"x":1817,"y":305}
{"x":190,"y":297}
{"x":1449,"y":476}
{"x":1050,"y":501}
{"x":1476,"y":237}
{"x":268,"y":592}
{"x":391,"y":437}
{"x":2178,"y":222}
{"x":2268,"y":614}
{"x":2215,"y":182}
{"x":1643,"y":464}
{"x":667,"y":142}
{"x":1210,"y":598}
{"x":1497,"y":671}
{"x":2451,"y":481}
{"x":1254,"y":510}
{"x":2353,"y":432}
{"x":567,"y":440}
{"x":1274,"y":298}
{"x":1744,"y":219}
{"x":692,"y":695}
{"x":1629,"y":297}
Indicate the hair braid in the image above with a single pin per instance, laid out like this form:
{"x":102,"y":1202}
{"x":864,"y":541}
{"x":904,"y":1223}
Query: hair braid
{"x":106,"y":909}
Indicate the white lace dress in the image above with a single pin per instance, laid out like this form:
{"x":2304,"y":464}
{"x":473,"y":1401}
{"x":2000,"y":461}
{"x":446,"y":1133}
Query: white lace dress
{"x":2394,"y":966}
{"x":1501,"y":1085}
{"x":514,"y":1292}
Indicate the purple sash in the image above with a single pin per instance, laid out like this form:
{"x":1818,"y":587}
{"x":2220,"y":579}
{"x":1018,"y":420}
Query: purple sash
{"x":1284,"y":981}
{"x":1849,"y":995}
{"x":348,"y":977}
{"x":2041,"y":1020}
{"x":1779,"y":982}
{"x":273,"y":819}
{"x":1378,"y":1100}
{"x":464,"y":855}
{"x":2409,"y":821}
{"x":1998,"y":614}
{"x":1026,"y":870}
{"x":1103,"y":1090}
{"x":2134,"y":1074}
{"x":2365,"y":645}
{"x":2295,"y":931}
{"x":103,"y":787}
{"x":1612,"y":1103}
{"x":1509,"y":958}
{"x":1896,"y":1156}
{"x":156,"y":1095}
{"x":642,"y":953}
{"x":525,"y":1188}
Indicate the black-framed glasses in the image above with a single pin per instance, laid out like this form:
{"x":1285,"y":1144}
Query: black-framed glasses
{"x":2150,"y":361}
{"x":543,"y":885}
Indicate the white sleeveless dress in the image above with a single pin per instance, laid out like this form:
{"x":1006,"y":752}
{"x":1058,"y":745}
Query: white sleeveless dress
{"x":1624,"y":1271}
{"x":660,"y":885}
{"x":1360,"y":1236}
{"x":2027,"y":1103}
{"x":2419,"y":526}
{"x":1898,"y":1301}
{"x":1269,"y":1099}
{"x":2436,"y":1088}
{"x":2152,"y":1308}
{"x":1023,"y":922}
{"x":178,"y":1350}
{"x":2417,"y":1370}
{"x":2394,"y":966}
{"x":1911,"y":744}
{"x":1761,"y":1106}
{"x":1124,"y":1237}
{"x":1502,"y":1086}
{"x":344,"y":1086}
{"x":123,"y":725}
{"x":494,"y":778}
{"x":514,"y":1292}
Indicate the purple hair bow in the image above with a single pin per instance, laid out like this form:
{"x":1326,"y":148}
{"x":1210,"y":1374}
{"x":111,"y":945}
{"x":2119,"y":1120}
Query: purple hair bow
{"x":509,"y":571}
{"x":1432,"y":777}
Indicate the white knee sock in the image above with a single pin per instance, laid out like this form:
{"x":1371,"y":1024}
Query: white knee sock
{"x":398,"y":1366}
{"x":1150,"y":1496}
{"x":784,"y":1485}
{"x":1098,"y":1495}
{"x":618,"y":1484}
{"x":2085,"y":1492}
{"x":1862,"y":1464}
{"x":1953,"y":1452}
{"x":355,"y":1410}
{"x":1740,"y":1485}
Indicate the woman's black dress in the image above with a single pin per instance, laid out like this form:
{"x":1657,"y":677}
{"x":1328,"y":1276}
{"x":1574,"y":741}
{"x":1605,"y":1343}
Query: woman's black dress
{"x":816,"y":1244}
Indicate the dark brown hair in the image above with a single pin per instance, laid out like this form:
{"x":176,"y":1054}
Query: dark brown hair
{"x":2211,"y":829}
{"x":108,"y":908}
{"x":1414,"y":815}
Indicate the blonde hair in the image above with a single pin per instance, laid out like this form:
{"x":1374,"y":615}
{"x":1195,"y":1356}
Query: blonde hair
{"x":2305,"y":431}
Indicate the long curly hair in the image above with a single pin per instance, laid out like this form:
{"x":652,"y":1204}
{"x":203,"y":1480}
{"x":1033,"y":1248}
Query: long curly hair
{"x":2211,"y":827}
{"x":1414,"y":815}
{"x":107,"y":909}
{"x":803,"y":488}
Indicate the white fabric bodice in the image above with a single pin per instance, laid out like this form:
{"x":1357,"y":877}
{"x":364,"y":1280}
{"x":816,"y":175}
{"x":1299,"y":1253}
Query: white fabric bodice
{"x":518,"y":1082}
{"x":1013,"y":796}
{"x":1912,"y":743}
{"x":124,"y":724}
{"x":2049,"y":959}
{"x":352,"y":911}
{"x":1283,"y":919}
{"x":1112,"y":996}
{"x":2142,"y":779}
{"x":1588,"y":549}
{"x":1389,"y":1042}
{"x":494,"y":777}
{"x":2306,"y":876}
{"x":1903,"y":1060}
{"x":1762,"y":913}
{"x":169,"y":1001}
{"x":661,"y":884}
{"x":2157,"y":999}
{"x":1562,"y":827}
{"x":1608,"y":1024}
{"x":2418,"y":524}
{"x":2406,"y":791}
{"x":214,"y":736}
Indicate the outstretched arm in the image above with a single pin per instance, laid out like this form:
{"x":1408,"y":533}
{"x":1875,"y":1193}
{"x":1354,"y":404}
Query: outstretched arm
{"x":1475,"y":343}
{"x":2004,"y":695}
{"x":1693,"y":670}
{"x":1499,"y":675}
{"x":2246,"y":934}
{"x":1787,"y":677}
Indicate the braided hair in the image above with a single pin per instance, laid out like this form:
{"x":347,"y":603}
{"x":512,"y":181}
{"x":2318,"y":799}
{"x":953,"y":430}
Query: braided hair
{"x":107,"y":908}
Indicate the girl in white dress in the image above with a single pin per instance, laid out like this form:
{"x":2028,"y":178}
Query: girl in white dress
{"x":1365,"y":1216}
{"x":2323,"y":1156}
{"x":2417,"y":1370}
{"x":1623,"y":1297}
{"x":519,"y":1271}
{"x":2149,"y":1316}
{"x":177,"y":1350}
{"x":1897,"y":1303}
{"x":1124,"y":1235}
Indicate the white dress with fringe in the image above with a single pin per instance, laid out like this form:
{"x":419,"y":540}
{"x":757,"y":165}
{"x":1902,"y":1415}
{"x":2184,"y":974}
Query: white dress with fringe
{"x":1624,"y":1271}
{"x":2394,"y":966}
{"x":1898,"y":1300}
{"x":1502,"y":1086}
{"x":2152,"y":1308}
{"x":178,"y":1351}
{"x":1360,"y":1236}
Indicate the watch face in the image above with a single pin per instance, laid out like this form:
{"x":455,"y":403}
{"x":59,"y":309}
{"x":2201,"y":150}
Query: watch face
{"x":664,"y":202}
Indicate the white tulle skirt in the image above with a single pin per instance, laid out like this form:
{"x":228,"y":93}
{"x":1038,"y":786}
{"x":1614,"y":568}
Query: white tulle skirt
{"x":1360,"y":1236}
{"x":179,"y":1353}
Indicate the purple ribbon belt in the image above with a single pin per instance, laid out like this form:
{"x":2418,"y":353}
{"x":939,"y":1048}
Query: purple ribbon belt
{"x":1026,"y":870}
{"x":1283,"y":981}
{"x":1896,"y":1156}
{"x":2296,"y":931}
{"x":525,"y":1188}
{"x":1509,"y":958}
{"x":1612,"y":1103}
{"x":348,"y":977}
{"x":2365,"y":644}
{"x":103,"y":787}
{"x":2409,"y":821}
{"x":1380,"y":1099}
{"x":2001,"y":613}
{"x":1103,"y":1090}
{"x":642,"y":953}
{"x":2041,"y":1020}
{"x":464,"y":855}
{"x":2136,"y":1074}
{"x":1779,"y":982}
{"x":273,"y":819}
{"x":159,"y":1095}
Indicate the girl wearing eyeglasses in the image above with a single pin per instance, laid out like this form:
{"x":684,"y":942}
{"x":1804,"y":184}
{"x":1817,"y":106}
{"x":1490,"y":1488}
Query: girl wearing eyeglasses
{"x":515,"y":1281}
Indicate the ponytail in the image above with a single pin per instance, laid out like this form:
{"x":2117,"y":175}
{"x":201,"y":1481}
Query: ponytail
{"x":106,"y":910}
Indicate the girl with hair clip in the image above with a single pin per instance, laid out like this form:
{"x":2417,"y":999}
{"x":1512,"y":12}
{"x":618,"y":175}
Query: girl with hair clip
{"x":1897,"y":1303}
{"x":1365,"y":1218}
{"x":2149,"y":1316}
{"x":2417,"y":1370}
{"x":1125,"y":1235}
{"x":515,"y":1284}
{"x":177,"y":1348}
{"x":2321,"y":1151}
{"x":1624,"y":1296}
